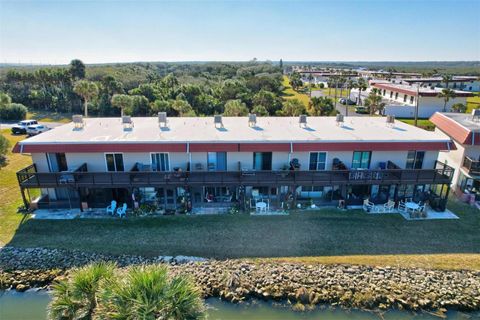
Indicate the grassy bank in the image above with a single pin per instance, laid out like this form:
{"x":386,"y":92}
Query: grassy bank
{"x":421,"y":123}
{"x":323,"y":236}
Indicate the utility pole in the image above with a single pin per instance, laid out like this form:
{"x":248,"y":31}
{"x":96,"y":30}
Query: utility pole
{"x":416,"y":104}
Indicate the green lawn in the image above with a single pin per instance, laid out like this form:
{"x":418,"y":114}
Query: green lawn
{"x":473,"y":103}
{"x":323,"y":236}
{"x":289,"y":93}
{"x":422,"y":123}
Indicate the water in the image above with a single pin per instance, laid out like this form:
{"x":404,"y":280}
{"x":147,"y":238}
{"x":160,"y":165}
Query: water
{"x":31,"y":305}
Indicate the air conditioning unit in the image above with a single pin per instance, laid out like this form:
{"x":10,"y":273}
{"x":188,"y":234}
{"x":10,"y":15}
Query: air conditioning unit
{"x":302,"y":120}
{"x":339,"y":119}
{"x":252,"y":119}
{"x":217,"y":120}
{"x":78,"y":122}
{"x":162,"y":119}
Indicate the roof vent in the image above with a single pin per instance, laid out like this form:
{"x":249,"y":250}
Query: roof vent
{"x":162,"y":119}
{"x":390,"y":121}
{"x":302,"y":121}
{"x":217,"y":120}
{"x":78,"y":122}
{"x":339,"y":119}
{"x":252,"y":119}
{"x":127,"y":123}
{"x":476,"y":115}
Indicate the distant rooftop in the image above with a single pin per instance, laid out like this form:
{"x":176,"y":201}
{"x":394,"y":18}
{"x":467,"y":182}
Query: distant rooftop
{"x":440,"y":79}
{"x":412,"y":90}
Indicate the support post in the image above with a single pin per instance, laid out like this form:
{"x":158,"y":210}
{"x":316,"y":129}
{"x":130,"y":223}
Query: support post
{"x":25,"y":202}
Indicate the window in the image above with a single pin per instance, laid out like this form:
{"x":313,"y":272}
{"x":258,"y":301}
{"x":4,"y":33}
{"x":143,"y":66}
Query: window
{"x":396,"y":95}
{"x":391,"y":94}
{"x":361,"y":159}
{"x":405,"y":98}
{"x":114,"y":161}
{"x":411,"y":100}
{"x":57,"y":162}
{"x":217,"y":161}
{"x":160,"y":162}
{"x":318,"y":160}
{"x":415,"y":159}
{"x":262,"y":161}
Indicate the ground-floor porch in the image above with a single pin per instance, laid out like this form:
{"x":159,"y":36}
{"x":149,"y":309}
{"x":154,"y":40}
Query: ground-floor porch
{"x":198,"y":199}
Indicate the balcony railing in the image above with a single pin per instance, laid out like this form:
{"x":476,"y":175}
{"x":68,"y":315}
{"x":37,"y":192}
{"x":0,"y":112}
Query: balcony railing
{"x":472,"y":166}
{"x":29,"y":178}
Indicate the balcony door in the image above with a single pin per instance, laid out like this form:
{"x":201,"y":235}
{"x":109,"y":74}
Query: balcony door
{"x":217,"y":161}
{"x":114,"y":161}
{"x":57,"y":162}
{"x":262,"y":161}
{"x":361,"y":159}
{"x":160,"y":162}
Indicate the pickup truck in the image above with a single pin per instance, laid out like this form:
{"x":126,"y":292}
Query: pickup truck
{"x":21,"y":127}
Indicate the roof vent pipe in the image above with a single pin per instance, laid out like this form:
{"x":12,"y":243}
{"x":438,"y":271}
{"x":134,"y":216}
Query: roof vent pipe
{"x":252,"y":119}
{"x":162,"y":119}
{"x":78,"y":122}
{"x":217,"y":120}
{"x":390,"y":121}
{"x":339,"y":119}
{"x":302,"y":121}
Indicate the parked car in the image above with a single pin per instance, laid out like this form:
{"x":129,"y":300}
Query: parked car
{"x":362,"y":110}
{"x":347,"y":101}
{"x":36,"y":129}
{"x":21,"y":127}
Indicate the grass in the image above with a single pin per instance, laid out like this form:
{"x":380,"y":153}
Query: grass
{"x":473,"y":103}
{"x":422,"y":123}
{"x":289,"y":93}
{"x":47,"y":116}
{"x":10,"y":198}
{"x":324,"y":236}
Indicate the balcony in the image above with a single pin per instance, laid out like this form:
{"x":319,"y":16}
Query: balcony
{"x":472,"y":166}
{"x":30,"y":178}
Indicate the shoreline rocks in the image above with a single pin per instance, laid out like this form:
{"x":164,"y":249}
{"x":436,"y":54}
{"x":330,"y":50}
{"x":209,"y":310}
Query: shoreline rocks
{"x":302,"y":285}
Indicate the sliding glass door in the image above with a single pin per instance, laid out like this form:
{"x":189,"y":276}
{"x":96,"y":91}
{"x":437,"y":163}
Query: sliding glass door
{"x":262,"y":161}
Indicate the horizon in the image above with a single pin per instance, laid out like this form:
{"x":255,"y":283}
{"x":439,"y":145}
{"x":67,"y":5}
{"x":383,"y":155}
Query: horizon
{"x":48,"y":32}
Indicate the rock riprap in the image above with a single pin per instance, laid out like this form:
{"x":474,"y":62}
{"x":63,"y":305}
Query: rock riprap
{"x":301,"y":284}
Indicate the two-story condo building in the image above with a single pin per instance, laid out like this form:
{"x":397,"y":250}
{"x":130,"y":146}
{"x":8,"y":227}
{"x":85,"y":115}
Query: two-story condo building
{"x":401,"y":99}
{"x":464,"y":129}
{"x":200,"y":162}
{"x":465,"y":83}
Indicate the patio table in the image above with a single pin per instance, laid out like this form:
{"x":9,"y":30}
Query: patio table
{"x":261,"y":206}
{"x":412,"y":205}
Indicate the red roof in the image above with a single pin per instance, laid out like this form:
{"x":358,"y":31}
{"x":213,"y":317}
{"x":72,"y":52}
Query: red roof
{"x":455,"y":130}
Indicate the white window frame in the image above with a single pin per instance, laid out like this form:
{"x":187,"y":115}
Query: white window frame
{"x":106,"y":164}
{"x":167,"y":153}
{"x":317,"y":152}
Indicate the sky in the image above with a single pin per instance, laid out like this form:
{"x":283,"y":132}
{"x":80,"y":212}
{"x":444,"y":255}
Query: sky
{"x":55,"y":32}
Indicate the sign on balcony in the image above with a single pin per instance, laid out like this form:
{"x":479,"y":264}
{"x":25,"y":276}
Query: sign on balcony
{"x":365,"y":175}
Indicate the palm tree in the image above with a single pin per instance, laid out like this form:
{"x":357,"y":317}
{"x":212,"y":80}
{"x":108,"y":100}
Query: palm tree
{"x":446,"y":78}
{"x":122,"y":101}
{"x":320,"y":106}
{"x":374,"y":101}
{"x":362,"y":86}
{"x":87,"y":90}
{"x":446,"y":94}
{"x":76,"y":297}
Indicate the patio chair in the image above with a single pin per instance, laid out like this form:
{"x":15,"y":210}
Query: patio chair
{"x":367,"y":205}
{"x":389,"y":206}
{"x":122,"y":210}
{"x":420,"y":212}
{"x":402,"y":207}
{"x":111,"y":208}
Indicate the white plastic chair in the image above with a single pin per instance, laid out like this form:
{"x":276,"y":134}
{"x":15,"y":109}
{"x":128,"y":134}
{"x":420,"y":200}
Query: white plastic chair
{"x":122,"y":210}
{"x":367,"y":205}
{"x":402,"y":207}
{"x":111,"y":208}
{"x":389,"y":206}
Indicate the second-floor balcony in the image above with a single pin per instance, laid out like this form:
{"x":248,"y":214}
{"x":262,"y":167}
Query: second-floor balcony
{"x":81,"y":177}
{"x":471,"y":165}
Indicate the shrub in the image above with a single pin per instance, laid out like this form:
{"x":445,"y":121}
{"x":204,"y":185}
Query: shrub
{"x":100,"y":291}
{"x":4,"y":145}
{"x":13,"y":111}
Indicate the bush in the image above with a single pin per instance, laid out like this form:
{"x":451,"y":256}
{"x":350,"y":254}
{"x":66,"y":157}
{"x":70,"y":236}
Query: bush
{"x":13,"y":111}
{"x":100,"y":291}
{"x":4,"y":144}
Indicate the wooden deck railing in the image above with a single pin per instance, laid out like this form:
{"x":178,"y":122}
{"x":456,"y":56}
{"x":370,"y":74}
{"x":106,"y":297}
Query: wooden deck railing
{"x":29,"y":178}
